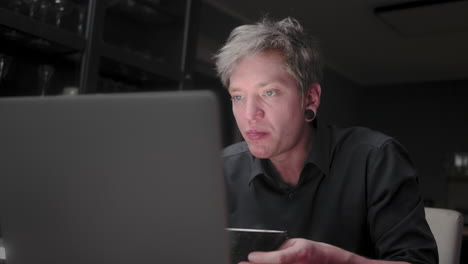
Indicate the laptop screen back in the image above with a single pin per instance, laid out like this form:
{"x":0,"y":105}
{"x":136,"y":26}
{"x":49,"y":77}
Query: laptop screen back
{"x":132,"y":178}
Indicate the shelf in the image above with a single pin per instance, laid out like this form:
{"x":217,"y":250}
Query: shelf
{"x":458,"y":178}
{"x":129,"y":46}
{"x":139,"y":61}
{"x":148,"y":12}
{"x":48,"y":32}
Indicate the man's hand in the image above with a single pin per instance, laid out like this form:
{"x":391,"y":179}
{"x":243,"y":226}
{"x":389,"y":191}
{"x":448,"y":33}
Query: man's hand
{"x":302,"y":251}
{"x":295,"y":251}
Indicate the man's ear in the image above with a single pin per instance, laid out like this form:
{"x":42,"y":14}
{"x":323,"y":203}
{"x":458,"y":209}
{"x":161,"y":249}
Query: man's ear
{"x":312,"y":97}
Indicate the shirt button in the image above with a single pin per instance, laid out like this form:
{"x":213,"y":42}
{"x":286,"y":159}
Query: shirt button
{"x":290,"y":196}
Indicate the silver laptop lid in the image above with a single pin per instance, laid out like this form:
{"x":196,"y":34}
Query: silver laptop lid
{"x":131,"y":178}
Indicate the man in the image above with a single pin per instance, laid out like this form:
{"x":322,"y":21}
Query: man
{"x":343,"y":195}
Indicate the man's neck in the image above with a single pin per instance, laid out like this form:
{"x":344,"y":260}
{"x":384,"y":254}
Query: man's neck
{"x":289,"y":165}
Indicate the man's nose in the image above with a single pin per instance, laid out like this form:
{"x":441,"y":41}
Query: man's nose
{"x":254,"y":109}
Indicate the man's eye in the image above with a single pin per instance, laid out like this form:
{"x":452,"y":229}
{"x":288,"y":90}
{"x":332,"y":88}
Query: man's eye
{"x":270,"y":93}
{"x":236,"y":98}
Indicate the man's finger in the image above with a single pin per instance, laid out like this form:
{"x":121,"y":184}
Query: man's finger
{"x":288,"y":243}
{"x":281,"y":256}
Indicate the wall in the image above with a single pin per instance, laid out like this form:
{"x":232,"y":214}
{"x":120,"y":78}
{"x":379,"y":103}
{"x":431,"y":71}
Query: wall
{"x":429,"y":119}
{"x":339,"y":100}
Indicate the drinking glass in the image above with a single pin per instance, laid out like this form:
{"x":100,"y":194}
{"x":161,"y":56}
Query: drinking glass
{"x":44,"y":10}
{"x":61,"y":9}
{"x":5,"y":62}
{"x":15,"y":5}
{"x":45,"y":73}
{"x":80,"y":25}
{"x":33,"y":6}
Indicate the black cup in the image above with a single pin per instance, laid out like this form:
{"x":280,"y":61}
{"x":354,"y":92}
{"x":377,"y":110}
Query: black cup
{"x":244,"y":241}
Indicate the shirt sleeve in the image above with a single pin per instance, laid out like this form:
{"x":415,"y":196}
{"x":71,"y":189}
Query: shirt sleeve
{"x":396,"y":215}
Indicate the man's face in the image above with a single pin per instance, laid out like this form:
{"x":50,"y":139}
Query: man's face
{"x":267,"y":106}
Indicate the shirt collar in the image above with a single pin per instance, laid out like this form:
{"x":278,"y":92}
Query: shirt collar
{"x":319,"y":155}
{"x":256,"y":168}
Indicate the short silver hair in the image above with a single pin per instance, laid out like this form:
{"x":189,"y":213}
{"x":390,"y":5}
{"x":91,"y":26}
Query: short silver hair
{"x":299,"y":49}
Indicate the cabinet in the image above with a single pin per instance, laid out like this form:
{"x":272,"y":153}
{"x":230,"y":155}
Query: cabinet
{"x":51,"y":47}
{"x":48,"y":47}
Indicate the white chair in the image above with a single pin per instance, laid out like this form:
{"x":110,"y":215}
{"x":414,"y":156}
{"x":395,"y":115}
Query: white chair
{"x":447,"y":227}
{"x":2,"y":251}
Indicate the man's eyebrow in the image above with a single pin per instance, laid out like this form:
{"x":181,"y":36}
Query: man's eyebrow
{"x":263,"y":84}
{"x":259,"y":85}
{"x":233,"y":89}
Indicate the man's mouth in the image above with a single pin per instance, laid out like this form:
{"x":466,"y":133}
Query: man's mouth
{"x":256,"y":134}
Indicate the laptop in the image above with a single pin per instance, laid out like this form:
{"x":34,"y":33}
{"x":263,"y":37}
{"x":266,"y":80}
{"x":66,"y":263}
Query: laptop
{"x":127,"y":178}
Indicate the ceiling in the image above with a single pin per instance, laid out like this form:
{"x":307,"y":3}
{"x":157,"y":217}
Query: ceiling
{"x":403,"y":46}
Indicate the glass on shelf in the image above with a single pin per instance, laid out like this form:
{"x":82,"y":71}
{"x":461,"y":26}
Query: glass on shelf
{"x":70,"y":90}
{"x":45,"y":73}
{"x":5,"y":62}
{"x":456,"y":165}
{"x":460,"y":163}
{"x":33,"y":7}
{"x":59,"y":8}
{"x":70,"y":15}
{"x":65,"y":14}
{"x":81,"y":19}
{"x":16,"y":6}
{"x":45,"y":9}
{"x":63,"y":9}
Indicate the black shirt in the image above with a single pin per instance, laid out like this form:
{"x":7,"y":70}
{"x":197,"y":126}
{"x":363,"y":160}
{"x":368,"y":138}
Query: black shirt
{"x":358,"y":191}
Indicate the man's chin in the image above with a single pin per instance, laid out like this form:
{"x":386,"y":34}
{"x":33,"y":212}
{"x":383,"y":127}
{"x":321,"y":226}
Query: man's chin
{"x":259,"y":152}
